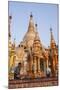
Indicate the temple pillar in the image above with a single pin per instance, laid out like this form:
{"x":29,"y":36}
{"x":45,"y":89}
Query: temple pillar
{"x":54,"y":63}
{"x":47,"y":64}
{"x":31,"y":64}
{"x":39,"y":65}
{"x":35,"y":66}
{"x":25,"y":67}
{"x":45,"y":67}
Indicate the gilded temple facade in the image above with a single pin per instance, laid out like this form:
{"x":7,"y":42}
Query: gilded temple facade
{"x":35,"y":58}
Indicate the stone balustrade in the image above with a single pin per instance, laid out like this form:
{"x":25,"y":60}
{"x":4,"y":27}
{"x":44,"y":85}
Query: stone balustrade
{"x":33,"y":83}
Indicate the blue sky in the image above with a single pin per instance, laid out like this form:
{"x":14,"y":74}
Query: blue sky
{"x":45,"y":15}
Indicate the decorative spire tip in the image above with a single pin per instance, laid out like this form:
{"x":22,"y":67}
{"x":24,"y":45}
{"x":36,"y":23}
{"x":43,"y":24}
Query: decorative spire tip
{"x":50,"y":29}
{"x":36,"y":24}
{"x":31,"y":15}
{"x":10,"y":17}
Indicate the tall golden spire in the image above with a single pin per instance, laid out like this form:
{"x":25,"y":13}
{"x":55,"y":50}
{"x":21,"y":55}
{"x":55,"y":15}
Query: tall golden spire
{"x":37,"y":46}
{"x":37,"y":38}
{"x":36,"y":35}
{"x":30,"y":35}
{"x":31,"y":23}
{"x":53,"y":54}
{"x":52,"y":42}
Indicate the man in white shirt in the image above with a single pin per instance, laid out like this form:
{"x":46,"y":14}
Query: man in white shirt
{"x":48,"y":72}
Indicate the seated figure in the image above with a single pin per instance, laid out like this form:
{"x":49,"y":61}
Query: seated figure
{"x":17,"y":71}
{"x":48,"y":72}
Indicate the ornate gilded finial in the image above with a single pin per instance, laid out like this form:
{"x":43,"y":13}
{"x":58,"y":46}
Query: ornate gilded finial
{"x":31,"y":15}
{"x":9,"y":23}
{"x":52,"y":39}
{"x":9,"y":34}
{"x":14,"y":41}
{"x":50,"y":29}
{"x":51,"y":33}
{"x":10,"y":17}
{"x":36,"y":27}
{"x":36,"y":24}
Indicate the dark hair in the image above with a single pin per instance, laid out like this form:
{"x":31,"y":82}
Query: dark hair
{"x":49,"y":66}
{"x":19,"y":63}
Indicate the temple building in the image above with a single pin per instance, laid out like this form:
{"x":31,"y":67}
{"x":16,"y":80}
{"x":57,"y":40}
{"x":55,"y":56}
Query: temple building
{"x":35,"y":58}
